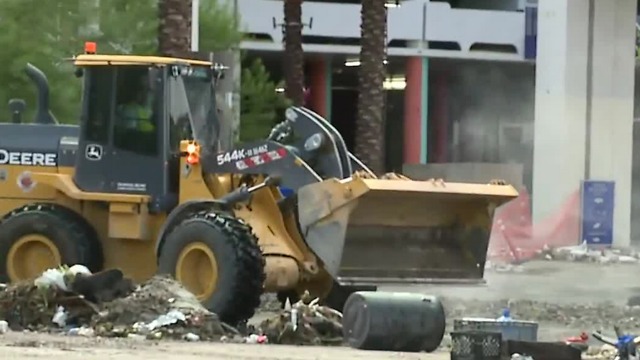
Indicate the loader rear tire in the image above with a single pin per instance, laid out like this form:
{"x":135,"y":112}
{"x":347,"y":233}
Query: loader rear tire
{"x":216,"y":257}
{"x":37,"y":237}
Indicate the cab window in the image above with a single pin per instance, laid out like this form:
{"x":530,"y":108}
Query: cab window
{"x":97,"y":113}
{"x":136,"y":119}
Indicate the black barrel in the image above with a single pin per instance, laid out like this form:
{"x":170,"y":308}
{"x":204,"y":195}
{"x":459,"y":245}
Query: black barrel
{"x":393,"y":321}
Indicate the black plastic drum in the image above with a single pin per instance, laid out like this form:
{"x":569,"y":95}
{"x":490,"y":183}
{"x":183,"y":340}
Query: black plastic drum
{"x":393,"y":321}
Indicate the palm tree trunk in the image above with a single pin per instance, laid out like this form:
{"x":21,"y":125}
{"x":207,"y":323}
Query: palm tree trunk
{"x":174,"y":32}
{"x":369,"y":141}
{"x":293,"y":54}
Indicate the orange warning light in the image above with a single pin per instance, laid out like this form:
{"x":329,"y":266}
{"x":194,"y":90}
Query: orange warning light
{"x":90,"y":47}
{"x":193,"y":154}
{"x":193,"y":159}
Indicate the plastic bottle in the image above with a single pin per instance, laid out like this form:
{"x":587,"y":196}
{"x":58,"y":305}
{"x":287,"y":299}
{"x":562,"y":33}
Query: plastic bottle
{"x":506,"y":315}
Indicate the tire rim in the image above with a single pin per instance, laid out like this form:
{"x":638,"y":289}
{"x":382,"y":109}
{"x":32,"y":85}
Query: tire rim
{"x":197,"y":270}
{"x":30,"y":256}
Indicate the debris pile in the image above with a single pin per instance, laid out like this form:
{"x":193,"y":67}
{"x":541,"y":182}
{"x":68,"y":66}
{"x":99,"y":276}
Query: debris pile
{"x":74,"y":301}
{"x":159,"y":308}
{"x":304,"y":323}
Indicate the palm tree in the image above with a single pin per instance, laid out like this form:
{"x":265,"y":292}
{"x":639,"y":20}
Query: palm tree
{"x":174,"y":32}
{"x":293,"y":54}
{"x":369,"y":142}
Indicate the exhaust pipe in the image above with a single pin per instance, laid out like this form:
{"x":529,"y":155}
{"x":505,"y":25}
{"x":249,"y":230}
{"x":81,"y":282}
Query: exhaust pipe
{"x":43,"y":114}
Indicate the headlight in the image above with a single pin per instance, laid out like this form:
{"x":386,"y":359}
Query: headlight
{"x":313,"y":142}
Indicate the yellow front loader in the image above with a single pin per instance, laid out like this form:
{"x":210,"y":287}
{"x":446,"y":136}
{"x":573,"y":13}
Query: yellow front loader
{"x":142,"y":185}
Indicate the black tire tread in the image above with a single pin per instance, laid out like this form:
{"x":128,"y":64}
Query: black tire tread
{"x":82,"y":233}
{"x":244,"y":296}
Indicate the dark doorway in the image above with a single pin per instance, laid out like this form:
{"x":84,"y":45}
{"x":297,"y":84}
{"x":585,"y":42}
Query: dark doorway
{"x":344,"y":108}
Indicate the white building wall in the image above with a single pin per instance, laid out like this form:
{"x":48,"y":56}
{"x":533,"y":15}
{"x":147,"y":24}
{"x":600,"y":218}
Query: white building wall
{"x":561,"y":104}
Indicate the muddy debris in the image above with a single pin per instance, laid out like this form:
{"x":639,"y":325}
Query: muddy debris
{"x":387,"y":176}
{"x":158,"y":308}
{"x":304,"y":323}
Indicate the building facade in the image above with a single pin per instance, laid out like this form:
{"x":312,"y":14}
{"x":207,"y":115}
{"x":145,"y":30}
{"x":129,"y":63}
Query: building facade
{"x":474,"y":80}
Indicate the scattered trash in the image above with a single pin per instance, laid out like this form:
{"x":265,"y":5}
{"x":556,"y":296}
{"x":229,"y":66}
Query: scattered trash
{"x":580,"y":342}
{"x":517,"y":356}
{"x":4,"y":327}
{"x":81,"y":331}
{"x":172,"y":317}
{"x":506,"y":315}
{"x":191,"y":337}
{"x":256,"y":339}
{"x":599,"y":314}
{"x":583,"y":253}
{"x":60,"y":317}
{"x":159,"y":308}
{"x":604,"y":352}
{"x":625,"y":345}
{"x":303,"y":323}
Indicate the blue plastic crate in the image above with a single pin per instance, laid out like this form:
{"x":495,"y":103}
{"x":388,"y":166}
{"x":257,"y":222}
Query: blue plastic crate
{"x":286,"y":192}
{"x":510,"y":330}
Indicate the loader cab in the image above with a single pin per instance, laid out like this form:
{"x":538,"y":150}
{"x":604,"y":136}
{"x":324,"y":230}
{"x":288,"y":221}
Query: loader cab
{"x":135,"y":112}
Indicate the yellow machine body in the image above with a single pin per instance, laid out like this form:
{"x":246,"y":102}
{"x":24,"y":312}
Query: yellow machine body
{"x":351,"y":231}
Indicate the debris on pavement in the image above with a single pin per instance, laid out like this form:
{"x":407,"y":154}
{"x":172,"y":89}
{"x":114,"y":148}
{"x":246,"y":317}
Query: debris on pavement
{"x":160,"y":308}
{"x":604,"y":352}
{"x":303,"y":323}
{"x":59,"y":301}
{"x":585,"y":316}
{"x":584,"y":253}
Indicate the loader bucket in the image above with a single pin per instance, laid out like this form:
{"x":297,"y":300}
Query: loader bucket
{"x":368,"y":232}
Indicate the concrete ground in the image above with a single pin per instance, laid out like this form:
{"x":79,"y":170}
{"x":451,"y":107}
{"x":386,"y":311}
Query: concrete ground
{"x":52,"y":347}
{"x":551,"y":282}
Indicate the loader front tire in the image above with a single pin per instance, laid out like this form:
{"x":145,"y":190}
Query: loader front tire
{"x":217,"y":258}
{"x":37,"y":237}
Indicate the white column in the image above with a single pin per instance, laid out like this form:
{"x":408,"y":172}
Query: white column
{"x":612,"y":105}
{"x":561,"y":104}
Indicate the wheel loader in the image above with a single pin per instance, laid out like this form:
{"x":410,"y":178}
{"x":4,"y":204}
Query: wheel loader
{"x":166,"y":198}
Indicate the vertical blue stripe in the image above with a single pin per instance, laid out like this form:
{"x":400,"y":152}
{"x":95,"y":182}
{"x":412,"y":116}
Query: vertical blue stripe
{"x":424,"y":111}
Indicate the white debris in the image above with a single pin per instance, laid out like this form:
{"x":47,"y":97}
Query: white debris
{"x":497,"y":267}
{"x":625,"y":259}
{"x":81,"y":331}
{"x":78,"y":269}
{"x":191,"y":337}
{"x":169,"y":318}
{"x":60,"y":317}
{"x":51,"y":277}
{"x":58,"y":277}
{"x":256,"y":339}
{"x":517,"y":356}
{"x":4,"y":327}
{"x":136,"y":337}
{"x":584,"y":253}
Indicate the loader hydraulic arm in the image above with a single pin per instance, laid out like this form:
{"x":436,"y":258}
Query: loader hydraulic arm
{"x":263,"y":158}
{"x":318,"y":143}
